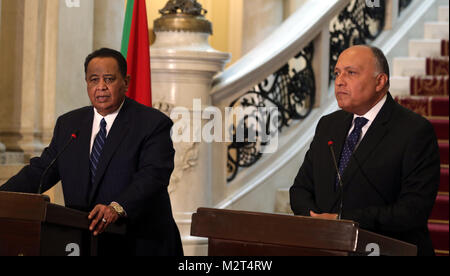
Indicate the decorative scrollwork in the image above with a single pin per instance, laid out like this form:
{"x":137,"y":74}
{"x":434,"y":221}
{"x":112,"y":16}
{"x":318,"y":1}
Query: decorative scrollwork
{"x":357,"y":24}
{"x":190,"y":7}
{"x":286,"y":95}
{"x":163,"y":106}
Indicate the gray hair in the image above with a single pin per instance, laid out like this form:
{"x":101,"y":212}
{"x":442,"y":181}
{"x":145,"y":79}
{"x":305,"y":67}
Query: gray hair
{"x":381,"y":62}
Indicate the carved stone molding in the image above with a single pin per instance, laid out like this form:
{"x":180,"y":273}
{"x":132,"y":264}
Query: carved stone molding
{"x":183,"y":16}
{"x":190,"y":7}
{"x":164,"y":107}
{"x":187,"y":158}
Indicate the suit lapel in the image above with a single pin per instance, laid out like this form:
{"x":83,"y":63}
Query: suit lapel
{"x":373,"y":137}
{"x":340,"y":135}
{"x":80,"y":149}
{"x":115,"y":137}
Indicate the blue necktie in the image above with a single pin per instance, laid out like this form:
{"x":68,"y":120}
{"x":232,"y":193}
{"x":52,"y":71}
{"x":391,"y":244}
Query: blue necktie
{"x":99,"y":142}
{"x":350,"y":145}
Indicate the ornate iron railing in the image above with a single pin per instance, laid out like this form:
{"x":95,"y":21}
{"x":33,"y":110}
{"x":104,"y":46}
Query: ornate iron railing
{"x":359,"y":23}
{"x":291,"y":90}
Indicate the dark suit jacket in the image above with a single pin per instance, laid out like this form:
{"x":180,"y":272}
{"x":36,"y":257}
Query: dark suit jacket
{"x":390,"y":185}
{"x":134,"y":170}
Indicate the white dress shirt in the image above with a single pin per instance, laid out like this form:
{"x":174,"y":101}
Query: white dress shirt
{"x":110,"y":118}
{"x":370,"y":115}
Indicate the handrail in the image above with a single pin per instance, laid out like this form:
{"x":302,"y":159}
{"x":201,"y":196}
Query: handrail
{"x":294,"y":34}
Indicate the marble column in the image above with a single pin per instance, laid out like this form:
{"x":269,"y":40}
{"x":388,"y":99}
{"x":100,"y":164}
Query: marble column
{"x":183,"y":65}
{"x":20,"y":80}
{"x":108,"y":23}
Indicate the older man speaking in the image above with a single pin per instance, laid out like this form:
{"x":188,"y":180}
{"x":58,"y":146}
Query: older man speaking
{"x":387,"y":157}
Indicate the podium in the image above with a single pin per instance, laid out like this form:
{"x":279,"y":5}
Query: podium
{"x":31,"y":226}
{"x":238,"y":233}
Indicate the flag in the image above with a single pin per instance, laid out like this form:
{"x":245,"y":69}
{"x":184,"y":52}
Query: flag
{"x":136,"y":49}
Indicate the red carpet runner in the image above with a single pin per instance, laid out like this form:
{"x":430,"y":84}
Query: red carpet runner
{"x":430,"y":98}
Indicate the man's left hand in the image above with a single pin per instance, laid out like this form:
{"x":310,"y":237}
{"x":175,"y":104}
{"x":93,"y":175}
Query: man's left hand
{"x":324,"y":215}
{"x":101,"y":217}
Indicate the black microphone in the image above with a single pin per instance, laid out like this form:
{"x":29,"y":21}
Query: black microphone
{"x":41,"y":183}
{"x":341,"y":185}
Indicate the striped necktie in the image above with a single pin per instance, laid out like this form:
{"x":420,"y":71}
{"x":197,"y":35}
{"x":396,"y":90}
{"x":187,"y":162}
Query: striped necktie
{"x":99,"y":142}
{"x":350,"y":144}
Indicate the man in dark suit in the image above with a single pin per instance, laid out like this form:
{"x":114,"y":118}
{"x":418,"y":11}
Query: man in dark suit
{"x":388,"y":157}
{"x":118,"y":167}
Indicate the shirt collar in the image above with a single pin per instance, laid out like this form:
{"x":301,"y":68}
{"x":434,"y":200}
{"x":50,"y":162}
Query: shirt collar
{"x":372,"y":113}
{"x":108,"y":118}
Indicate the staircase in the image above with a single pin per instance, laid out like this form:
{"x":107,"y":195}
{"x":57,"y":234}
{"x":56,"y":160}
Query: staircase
{"x":420,"y":82}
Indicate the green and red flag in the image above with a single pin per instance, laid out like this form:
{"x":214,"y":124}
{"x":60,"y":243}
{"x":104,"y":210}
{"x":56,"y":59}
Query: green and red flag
{"x":136,"y":49}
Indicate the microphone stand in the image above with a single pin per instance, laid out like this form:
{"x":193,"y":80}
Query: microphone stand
{"x":341,"y":185}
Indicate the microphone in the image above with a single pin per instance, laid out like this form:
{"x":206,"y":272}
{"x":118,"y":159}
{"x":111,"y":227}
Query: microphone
{"x":74,"y":136}
{"x":341,"y":185}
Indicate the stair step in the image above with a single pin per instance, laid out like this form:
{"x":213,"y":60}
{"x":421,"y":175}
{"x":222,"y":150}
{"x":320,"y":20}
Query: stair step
{"x":443,"y":14}
{"x":437,"y":66}
{"x":442,"y":253}
{"x":445,"y":48}
{"x":436,"y":30}
{"x":441,"y":128}
{"x":420,"y":66}
{"x":424,"y":105}
{"x":425,"y":47}
{"x":441,"y":208}
{"x":440,"y":106}
{"x":419,"y":86}
{"x":400,"y":86}
{"x":443,"y":187}
{"x":409,"y":66}
{"x":429,"y":85}
{"x":443,"y":150}
{"x":439,"y":235}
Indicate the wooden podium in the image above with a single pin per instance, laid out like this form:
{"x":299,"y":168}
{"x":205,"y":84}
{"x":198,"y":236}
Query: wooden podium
{"x":236,"y":233}
{"x":31,"y":226}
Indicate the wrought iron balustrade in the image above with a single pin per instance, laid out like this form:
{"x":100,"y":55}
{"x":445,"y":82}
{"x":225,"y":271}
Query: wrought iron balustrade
{"x":357,"y":24}
{"x":290,"y":90}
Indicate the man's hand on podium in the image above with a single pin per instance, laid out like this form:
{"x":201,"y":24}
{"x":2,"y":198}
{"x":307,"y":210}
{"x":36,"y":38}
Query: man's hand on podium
{"x":324,"y":215}
{"x":102,"y":216}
